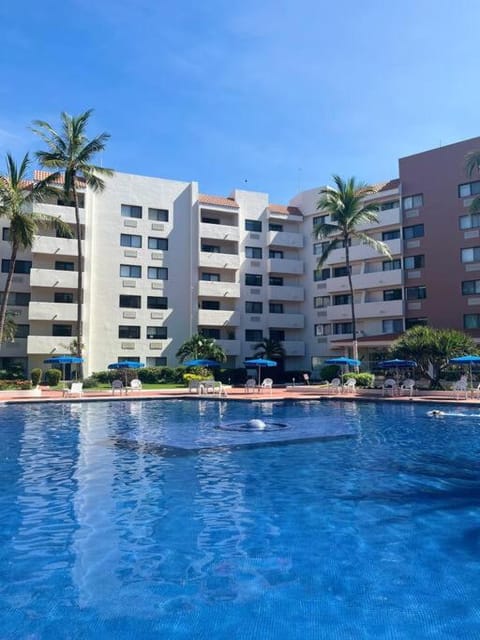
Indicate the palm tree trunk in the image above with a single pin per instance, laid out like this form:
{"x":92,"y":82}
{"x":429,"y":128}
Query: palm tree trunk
{"x":352,"y":303}
{"x":8,"y":286}
{"x":79,"y":278}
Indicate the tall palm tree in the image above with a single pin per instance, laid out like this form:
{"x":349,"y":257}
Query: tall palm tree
{"x":201,"y":347}
{"x":269,"y":349}
{"x":17,"y":195}
{"x":348,"y":209}
{"x":70,"y":155}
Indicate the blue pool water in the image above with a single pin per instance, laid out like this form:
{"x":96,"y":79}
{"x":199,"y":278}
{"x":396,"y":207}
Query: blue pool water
{"x":145,"y":520}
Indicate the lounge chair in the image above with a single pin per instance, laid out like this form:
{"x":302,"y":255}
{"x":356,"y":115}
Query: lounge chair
{"x":390,"y":386}
{"x":267,"y":383}
{"x":350,"y":385}
{"x":117,"y":385}
{"x":135,"y":385}
{"x":196,"y":386}
{"x":250,"y":385}
{"x":407,"y":386}
{"x":75,"y":390}
{"x":335,"y":385}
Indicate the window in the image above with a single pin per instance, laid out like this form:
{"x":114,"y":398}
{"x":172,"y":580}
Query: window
{"x":393,"y":234}
{"x":275,"y":307}
{"x":339,"y":272}
{"x":22,"y":330}
{"x":318,"y":248}
{"x":470,"y":287}
{"x":275,"y":226}
{"x":392,"y":204}
{"x":64,"y":297}
{"x":391,"y":265}
{"x":414,"y":262}
{"x":340,"y":328}
{"x":321,"y":274}
{"x":157,"y":302}
{"x":320,"y":219}
{"x":470,"y":221}
{"x":415,"y":231}
{"x":253,"y":280}
{"x":128,"y":240}
{"x":392,"y":294}
{"x":322,"y":329}
{"x":253,"y":335}
{"x":209,"y":220}
{"x":253,"y":307}
{"x":277,"y":334}
{"x":343,"y":298}
{"x":130,"y":302}
{"x":131,"y":211}
{"x":319,"y":302}
{"x":130,"y":271}
{"x":17,"y":299}
{"x":275,"y":281}
{"x":156,"y":333}
{"x":416,"y":293}
{"x":471,"y":255}
{"x":158,"y":244}
{"x":210,"y":248}
{"x":253,"y":252}
{"x":471,"y":321}
{"x":160,"y":361}
{"x":415,"y":322}
{"x":212,"y":305}
{"x":412,"y":202}
{"x":61,"y":265}
{"x":211,"y":277}
{"x":273,"y":253}
{"x":6,"y":234}
{"x":159,"y":215}
{"x":253,"y":225}
{"x":214,"y":334}
{"x":130,"y":332}
{"x":157,"y":273}
{"x":469,"y":189}
{"x":21,"y":266}
{"x":392,"y":326}
{"x":64,"y":330}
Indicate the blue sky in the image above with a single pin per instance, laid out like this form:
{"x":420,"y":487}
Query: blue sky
{"x":273,"y":96}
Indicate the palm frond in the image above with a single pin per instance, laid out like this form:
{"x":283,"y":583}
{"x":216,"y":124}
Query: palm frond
{"x":378,"y":245}
{"x":475,"y":205}
{"x":325,"y":230}
{"x":472,"y":162}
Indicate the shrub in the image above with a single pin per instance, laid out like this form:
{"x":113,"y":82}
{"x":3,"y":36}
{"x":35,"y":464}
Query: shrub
{"x":329,"y":371}
{"x":36,"y":376}
{"x":15,"y":385}
{"x":363,"y":379}
{"x":52,"y":377}
{"x":187,"y":377}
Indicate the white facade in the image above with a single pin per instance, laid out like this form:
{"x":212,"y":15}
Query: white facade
{"x":162,"y":262}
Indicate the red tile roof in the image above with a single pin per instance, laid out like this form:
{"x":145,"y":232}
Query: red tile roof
{"x":280,"y":208}
{"x":217,"y":200}
{"x":387,"y":186}
{"x":42,"y":175}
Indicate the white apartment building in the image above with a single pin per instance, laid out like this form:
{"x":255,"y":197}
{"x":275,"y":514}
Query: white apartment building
{"x":162,"y":261}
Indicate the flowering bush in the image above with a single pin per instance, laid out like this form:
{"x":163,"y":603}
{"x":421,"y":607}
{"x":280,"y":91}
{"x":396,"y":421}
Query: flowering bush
{"x":15,"y":385}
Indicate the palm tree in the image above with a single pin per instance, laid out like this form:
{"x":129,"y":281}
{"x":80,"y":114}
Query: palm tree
{"x":472,"y":164}
{"x":201,"y":347}
{"x":269,"y":349}
{"x":70,"y":155}
{"x":17,"y":195}
{"x":348,"y":209}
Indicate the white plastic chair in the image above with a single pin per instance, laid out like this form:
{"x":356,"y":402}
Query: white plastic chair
{"x":75,"y":390}
{"x":390,"y":385}
{"x":335,"y":385}
{"x":135,"y":385}
{"x":407,"y":386}
{"x":117,"y":385}
{"x":267,"y":383}
{"x":250,"y":385}
{"x":350,"y":385}
{"x":461,"y":387}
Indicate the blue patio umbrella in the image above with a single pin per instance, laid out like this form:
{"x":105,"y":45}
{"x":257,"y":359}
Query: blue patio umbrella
{"x":468,"y":360}
{"x":397,"y":364}
{"x":202,"y":362}
{"x":259,"y":363}
{"x":343,"y":361}
{"x":62,"y":361}
{"x":126,"y":364}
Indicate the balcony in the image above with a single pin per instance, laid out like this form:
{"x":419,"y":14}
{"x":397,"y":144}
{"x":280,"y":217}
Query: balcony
{"x":294,"y":347}
{"x":219,"y":260}
{"x":52,"y":311}
{"x":279,"y":265}
{"x":362,"y":252}
{"x":219,"y":289}
{"x":52,"y":278}
{"x":292,"y":294}
{"x":67,"y":214}
{"x":55,"y":246}
{"x":386,"y":218}
{"x":54,"y":345}
{"x":231,"y":347}
{"x":375,"y":280}
{"x":218,"y":232}
{"x":343,"y":312}
{"x":218,"y":318}
{"x":286,"y":320}
{"x":285,"y":239}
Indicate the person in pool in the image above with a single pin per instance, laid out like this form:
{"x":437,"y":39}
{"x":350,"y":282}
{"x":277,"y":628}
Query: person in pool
{"x":435,"y":413}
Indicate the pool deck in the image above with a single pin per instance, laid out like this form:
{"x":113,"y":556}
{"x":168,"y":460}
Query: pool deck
{"x":299,"y":392}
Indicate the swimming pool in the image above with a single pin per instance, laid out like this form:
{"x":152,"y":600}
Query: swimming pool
{"x":144,"y":520}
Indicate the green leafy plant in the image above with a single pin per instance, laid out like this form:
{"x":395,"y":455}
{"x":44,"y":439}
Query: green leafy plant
{"x":52,"y":377}
{"x":364,"y":380}
{"x":36,"y":376}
